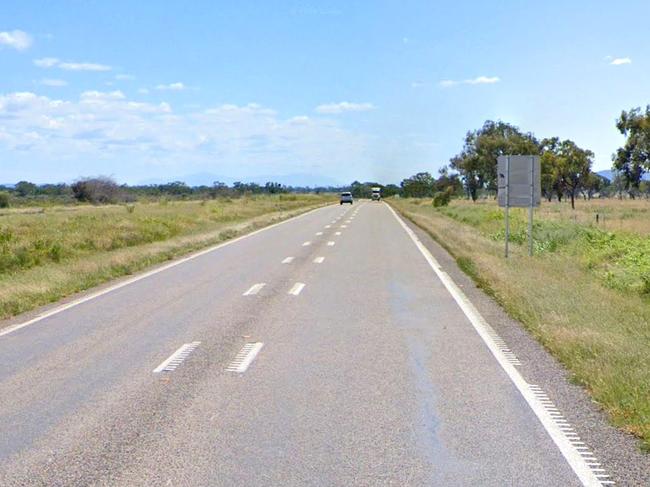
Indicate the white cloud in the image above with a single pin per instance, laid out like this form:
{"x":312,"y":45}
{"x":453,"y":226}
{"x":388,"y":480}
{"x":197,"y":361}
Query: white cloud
{"x":102,"y":95}
{"x":16,"y":39}
{"x":124,"y":77}
{"x":68,"y":66}
{"x":178,"y":86}
{"x":479,"y":80}
{"x":344,"y":106}
{"x":107,"y":126}
{"x":417,"y":84}
{"x":51,"y":62}
{"x":143,"y":91}
{"x":483,"y":80}
{"x":620,"y":60}
{"x":54,"y":82}
{"x":46,"y":62}
{"x":299,"y":119}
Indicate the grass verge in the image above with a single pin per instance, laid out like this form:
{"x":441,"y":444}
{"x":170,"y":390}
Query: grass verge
{"x":599,"y":332}
{"x":46,"y":256}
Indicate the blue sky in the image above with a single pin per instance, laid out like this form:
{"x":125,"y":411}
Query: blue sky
{"x":304,"y":91}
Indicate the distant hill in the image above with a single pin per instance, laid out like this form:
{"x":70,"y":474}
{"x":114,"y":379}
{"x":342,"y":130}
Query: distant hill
{"x":609,"y":174}
{"x":207,"y":179}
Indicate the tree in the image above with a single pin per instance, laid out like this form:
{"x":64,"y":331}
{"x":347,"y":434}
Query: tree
{"x":273,"y":188}
{"x":175,"y":188}
{"x":633,"y":159}
{"x":448,"y":180}
{"x":418,"y":186}
{"x":573,"y":167}
{"x":549,"y":163}
{"x":101,"y":189}
{"x":390,"y":190}
{"x":218,"y":188}
{"x":477,"y":163}
{"x":362,"y":190}
{"x":25,"y":188}
{"x":594,"y":183}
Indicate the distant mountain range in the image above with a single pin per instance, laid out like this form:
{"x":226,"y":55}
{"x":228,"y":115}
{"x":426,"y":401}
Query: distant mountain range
{"x":609,"y":174}
{"x":204,"y":178}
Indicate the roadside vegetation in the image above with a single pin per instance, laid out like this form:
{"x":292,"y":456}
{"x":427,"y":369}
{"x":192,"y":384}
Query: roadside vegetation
{"x":585,"y":294}
{"x":51,"y":252}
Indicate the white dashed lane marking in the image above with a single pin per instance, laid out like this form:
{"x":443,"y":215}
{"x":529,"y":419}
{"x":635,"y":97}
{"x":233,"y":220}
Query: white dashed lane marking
{"x":306,"y":244}
{"x":288,"y":260}
{"x":297,"y":288}
{"x":319,"y":260}
{"x":344,"y":226}
{"x":337,"y":233}
{"x":328,"y":226}
{"x":331,"y":243}
{"x":254,"y":289}
{"x":176,"y":358}
{"x":245,"y":357}
{"x":319,"y":233}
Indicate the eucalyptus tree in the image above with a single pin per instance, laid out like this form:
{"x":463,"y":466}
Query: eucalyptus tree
{"x":477,"y":163}
{"x":633,"y":159}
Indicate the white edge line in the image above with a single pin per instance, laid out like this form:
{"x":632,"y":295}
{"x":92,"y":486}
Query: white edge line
{"x":572,"y":456}
{"x":174,"y":355}
{"x":77,"y":302}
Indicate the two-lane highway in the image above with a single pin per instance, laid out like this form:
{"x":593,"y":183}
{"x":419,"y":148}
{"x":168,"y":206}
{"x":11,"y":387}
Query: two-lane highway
{"x":326,"y":350}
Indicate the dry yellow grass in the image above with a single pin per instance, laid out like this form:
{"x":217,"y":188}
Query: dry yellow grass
{"x":614,"y":215}
{"x":600,"y":334}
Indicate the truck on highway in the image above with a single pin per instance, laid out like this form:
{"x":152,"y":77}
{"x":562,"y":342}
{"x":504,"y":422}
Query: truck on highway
{"x":376,"y":194}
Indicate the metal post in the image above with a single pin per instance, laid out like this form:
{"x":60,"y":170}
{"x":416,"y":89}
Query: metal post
{"x":530,"y":208}
{"x":507,"y":203}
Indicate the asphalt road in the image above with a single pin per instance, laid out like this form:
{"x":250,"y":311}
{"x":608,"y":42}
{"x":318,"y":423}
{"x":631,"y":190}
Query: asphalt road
{"x":362,"y":368}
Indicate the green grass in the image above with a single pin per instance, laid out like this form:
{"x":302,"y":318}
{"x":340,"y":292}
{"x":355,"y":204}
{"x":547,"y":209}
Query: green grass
{"x":47,"y":254}
{"x":584,"y":294}
{"x":619,"y":259}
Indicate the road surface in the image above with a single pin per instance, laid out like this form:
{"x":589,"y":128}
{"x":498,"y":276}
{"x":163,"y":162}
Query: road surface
{"x":324,"y":351}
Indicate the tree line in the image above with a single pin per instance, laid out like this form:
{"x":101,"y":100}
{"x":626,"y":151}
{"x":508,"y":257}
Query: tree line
{"x":104,"y":190}
{"x":566,"y":172}
{"x":566,"y":167}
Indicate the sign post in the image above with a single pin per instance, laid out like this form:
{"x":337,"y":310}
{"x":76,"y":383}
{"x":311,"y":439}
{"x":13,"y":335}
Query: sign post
{"x":519,"y":185}
{"x":530,"y":208}
{"x":507,"y":215}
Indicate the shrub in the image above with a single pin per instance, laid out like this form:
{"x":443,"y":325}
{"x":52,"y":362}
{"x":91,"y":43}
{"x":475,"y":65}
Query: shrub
{"x":288,"y":197}
{"x":4,"y":200}
{"x":96,"y":190}
{"x":442,"y":198}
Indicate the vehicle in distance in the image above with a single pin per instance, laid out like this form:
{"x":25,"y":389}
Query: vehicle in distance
{"x":346,"y":197}
{"x":376,"y":194}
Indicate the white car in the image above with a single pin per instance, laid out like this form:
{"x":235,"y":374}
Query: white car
{"x":346,"y":198}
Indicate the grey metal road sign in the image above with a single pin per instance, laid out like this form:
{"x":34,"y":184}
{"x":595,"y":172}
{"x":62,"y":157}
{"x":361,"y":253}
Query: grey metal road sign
{"x":519,"y":180}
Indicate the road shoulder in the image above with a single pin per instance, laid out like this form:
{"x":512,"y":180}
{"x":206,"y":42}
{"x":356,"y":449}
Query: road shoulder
{"x":617,"y":451}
